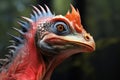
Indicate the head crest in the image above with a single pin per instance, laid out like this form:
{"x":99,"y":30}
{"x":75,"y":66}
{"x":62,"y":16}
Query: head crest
{"x":74,"y":17}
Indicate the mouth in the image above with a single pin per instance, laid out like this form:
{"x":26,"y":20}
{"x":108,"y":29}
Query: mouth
{"x":84,"y":47}
{"x":60,"y":44}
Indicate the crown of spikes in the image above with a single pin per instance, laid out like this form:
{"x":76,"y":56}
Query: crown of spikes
{"x":74,"y":17}
{"x":17,"y":41}
{"x":36,"y":15}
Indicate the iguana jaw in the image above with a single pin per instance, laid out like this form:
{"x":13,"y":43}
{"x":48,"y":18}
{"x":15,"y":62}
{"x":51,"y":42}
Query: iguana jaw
{"x":66,"y":46}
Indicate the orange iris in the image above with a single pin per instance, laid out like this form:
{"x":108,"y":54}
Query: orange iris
{"x":60,"y":27}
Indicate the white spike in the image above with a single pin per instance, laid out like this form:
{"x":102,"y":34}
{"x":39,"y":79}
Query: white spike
{"x":8,"y":56}
{"x":35,"y":14}
{"x":11,"y":46}
{"x":24,"y":25}
{"x":48,"y":10}
{"x":5,"y":60}
{"x":12,"y":41}
{"x":38,"y":11}
{"x":32,"y":17}
{"x":28,"y":19}
{"x":18,"y":30}
{"x":43,"y":10}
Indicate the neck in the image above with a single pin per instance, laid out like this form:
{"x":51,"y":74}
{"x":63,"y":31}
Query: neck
{"x":49,"y":64}
{"x":41,"y":66}
{"x":44,"y":67}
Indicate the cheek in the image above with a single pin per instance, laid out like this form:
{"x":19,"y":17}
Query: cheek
{"x":40,"y":35}
{"x":46,"y":47}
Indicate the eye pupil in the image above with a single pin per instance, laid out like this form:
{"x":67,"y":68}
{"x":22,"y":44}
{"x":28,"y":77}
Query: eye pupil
{"x":60,"y":27}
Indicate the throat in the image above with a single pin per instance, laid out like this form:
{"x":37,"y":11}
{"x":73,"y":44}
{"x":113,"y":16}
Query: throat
{"x":42,"y":65}
{"x":38,"y":64}
{"x":52,"y":63}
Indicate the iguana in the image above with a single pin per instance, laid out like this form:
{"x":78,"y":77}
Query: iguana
{"x":45,"y":41}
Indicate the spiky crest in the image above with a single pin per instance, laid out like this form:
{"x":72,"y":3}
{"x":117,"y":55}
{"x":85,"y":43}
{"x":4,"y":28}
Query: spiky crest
{"x":26,"y":25}
{"x":74,"y":17}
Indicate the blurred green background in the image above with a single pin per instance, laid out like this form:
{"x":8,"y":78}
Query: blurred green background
{"x":100,"y":17}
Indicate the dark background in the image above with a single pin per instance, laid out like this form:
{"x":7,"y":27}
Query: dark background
{"x":100,"y":17}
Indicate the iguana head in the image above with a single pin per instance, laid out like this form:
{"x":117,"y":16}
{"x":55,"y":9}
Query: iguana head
{"x":63,"y":34}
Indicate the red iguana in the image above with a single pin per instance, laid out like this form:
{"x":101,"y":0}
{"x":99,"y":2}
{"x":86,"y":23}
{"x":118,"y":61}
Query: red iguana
{"x":46,"y":40}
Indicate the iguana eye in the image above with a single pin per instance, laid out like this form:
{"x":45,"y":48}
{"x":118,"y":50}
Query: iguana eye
{"x":60,"y":28}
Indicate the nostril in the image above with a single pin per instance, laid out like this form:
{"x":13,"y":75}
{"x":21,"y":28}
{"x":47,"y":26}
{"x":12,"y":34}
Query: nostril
{"x":87,"y":38}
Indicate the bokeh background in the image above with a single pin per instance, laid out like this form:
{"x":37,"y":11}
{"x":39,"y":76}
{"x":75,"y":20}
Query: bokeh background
{"x":100,"y":17}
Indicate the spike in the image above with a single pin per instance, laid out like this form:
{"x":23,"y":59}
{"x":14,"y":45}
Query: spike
{"x":18,"y":30}
{"x":11,"y":52}
{"x":38,"y":11}
{"x":32,"y":17}
{"x":4,"y":60}
{"x":24,"y":25}
{"x":1,"y":61}
{"x":11,"y":47}
{"x":35,"y":14}
{"x":68,"y":12}
{"x":72,"y":7}
{"x":48,"y":10}
{"x":13,"y":42}
{"x":43,"y":10}
{"x":27,"y":19}
{"x":74,"y":10}
{"x":78,"y":11}
{"x":16,"y":38}
{"x":8,"y":56}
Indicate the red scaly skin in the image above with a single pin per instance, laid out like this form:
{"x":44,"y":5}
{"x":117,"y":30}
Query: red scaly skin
{"x":28,"y":63}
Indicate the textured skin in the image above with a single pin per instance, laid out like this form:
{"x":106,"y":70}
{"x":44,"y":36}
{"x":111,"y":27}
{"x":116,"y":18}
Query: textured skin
{"x":41,"y":49}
